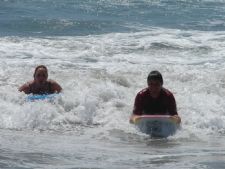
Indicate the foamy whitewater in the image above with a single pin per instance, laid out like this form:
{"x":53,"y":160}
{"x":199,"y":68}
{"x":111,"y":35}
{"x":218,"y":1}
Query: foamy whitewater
{"x":101,"y":53}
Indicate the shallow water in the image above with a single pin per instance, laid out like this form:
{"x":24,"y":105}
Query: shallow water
{"x":101,"y":65}
{"x":29,"y":149}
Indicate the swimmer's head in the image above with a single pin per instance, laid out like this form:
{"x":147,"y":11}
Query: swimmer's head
{"x":155,"y":83}
{"x":41,"y":74}
{"x":155,"y":76}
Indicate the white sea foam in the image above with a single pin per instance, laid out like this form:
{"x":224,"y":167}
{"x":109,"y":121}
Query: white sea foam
{"x":101,"y":75}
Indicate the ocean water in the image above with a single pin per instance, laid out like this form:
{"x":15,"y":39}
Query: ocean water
{"x":101,"y":52}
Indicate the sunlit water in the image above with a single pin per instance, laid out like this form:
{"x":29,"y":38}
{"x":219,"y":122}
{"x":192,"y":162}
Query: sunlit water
{"x":101,"y":52}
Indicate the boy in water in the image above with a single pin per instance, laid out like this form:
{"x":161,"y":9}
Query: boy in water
{"x":155,"y":99}
{"x":41,"y":84}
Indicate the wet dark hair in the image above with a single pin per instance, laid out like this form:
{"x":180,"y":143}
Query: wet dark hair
{"x":38,"y":67}
{"x":155,"y":75}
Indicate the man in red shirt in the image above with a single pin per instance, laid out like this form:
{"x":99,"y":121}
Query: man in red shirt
{"x":155,"y":100}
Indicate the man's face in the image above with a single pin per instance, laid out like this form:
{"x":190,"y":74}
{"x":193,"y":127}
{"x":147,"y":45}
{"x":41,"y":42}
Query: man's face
{"x":41,"y":76}
{"x":155,"y":87}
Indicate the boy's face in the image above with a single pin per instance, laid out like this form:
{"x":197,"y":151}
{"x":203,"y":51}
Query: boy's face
{"x":41,"y":76}
{"x":155,"y":87}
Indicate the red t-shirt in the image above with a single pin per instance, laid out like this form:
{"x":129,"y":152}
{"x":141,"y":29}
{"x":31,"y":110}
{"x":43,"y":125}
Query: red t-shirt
{"x":165,"y":104}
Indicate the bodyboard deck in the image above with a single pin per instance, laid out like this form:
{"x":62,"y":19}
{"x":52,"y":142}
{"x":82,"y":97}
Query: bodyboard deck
{"x":48,"y":97}
{"x":156,"y":125}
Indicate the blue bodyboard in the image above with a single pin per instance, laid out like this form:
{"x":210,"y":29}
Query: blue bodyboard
{"x":48,"y":97}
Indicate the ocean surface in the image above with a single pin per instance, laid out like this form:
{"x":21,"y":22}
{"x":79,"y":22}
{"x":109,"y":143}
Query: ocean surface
{"x":101,"y":52}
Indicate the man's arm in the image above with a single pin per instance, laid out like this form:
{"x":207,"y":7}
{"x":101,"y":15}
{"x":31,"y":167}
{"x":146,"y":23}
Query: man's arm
{"x":138,"y":105}
{"x":56,"y":87}
{"x":172,"y":107}
{"x":25,"y":88}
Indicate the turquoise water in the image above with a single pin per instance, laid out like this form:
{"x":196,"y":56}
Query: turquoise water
{"x":85,"y":17}
{"x":101,"y":53}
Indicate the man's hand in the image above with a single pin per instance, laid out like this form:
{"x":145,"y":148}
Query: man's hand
{"x":177,"y":118}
